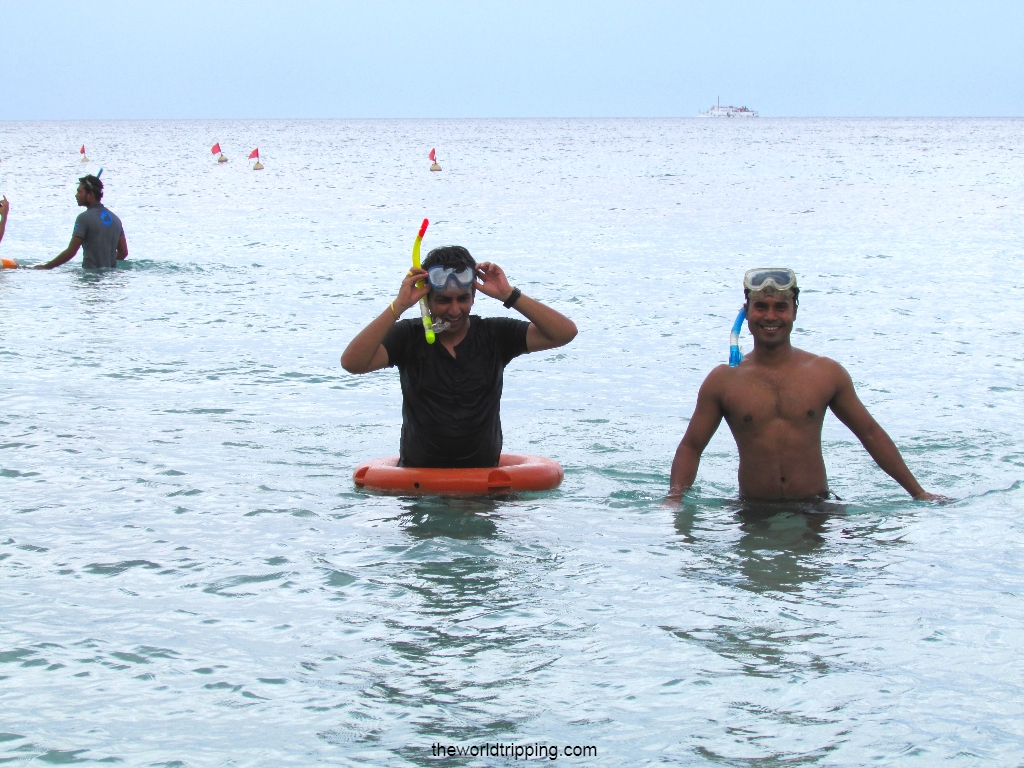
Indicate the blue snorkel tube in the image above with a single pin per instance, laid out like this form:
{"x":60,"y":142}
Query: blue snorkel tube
{"x":735,"y":356}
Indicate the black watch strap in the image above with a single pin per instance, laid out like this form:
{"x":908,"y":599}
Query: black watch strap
{"x":512,"y":298}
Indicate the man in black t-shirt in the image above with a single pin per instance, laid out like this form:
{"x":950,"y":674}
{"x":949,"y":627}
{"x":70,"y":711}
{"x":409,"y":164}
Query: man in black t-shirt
{"x":451,"y":390}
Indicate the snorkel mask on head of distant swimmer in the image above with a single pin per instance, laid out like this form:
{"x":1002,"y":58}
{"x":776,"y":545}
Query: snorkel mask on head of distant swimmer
{"x":762,"y":282}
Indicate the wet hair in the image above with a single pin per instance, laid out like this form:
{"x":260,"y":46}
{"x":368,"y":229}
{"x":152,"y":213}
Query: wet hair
{"x":449,"y":256}
{"x":454,"y":256}
{"x":795,"y":291}
{"x":92,"y":184}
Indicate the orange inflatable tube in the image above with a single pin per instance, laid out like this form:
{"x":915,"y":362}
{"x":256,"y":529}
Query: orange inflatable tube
{"x":515,"y":472}
{"x":8,"y":264}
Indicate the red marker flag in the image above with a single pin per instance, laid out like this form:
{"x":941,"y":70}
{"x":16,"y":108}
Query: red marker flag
{"x":82,"y":150}
{"x":433,"y":156}
{"x":255,"y":153}
{"x":215,"y":149}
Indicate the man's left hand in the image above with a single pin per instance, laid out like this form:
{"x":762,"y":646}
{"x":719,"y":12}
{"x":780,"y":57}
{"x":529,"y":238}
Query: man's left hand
{"x":491,"y":281}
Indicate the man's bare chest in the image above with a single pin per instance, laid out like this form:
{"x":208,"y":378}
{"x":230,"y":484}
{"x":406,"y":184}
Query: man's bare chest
{"x":757,"y":399}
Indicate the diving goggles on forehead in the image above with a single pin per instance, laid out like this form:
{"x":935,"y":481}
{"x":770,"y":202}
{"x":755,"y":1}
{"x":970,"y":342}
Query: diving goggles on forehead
{"x":779,"y":279}
{"x":439,"y":277}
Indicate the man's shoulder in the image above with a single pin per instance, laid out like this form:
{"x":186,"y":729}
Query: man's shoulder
{"x":405,"y":328}
{"x":107,"y":216}
{"x":719,"y":377}
{"x":494,"y":326}
{"x":818,"y":363}
{"x":495,"y":322}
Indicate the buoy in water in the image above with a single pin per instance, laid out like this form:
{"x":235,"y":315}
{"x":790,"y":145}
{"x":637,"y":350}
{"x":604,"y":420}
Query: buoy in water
{"x":258,"y":166}
{"x":435,"y":167}
{"x":515,"y":472}
{"x":85,"y":159}
{"x":221,"y":158}
{"x":8,"y":264}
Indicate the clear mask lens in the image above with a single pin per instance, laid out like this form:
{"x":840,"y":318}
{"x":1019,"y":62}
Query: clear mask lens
{"x":439,"y":277}
{"x":781,"y":279}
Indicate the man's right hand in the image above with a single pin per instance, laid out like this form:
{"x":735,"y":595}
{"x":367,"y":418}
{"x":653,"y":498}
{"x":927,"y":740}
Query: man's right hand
{"x":409,"y":294}
{"x":938,"y":498}
{"x":5,"y":208}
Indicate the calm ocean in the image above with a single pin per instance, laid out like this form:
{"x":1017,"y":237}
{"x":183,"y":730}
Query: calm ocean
{"x":188,"y":577}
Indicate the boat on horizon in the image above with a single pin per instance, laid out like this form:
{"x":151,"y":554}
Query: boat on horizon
{"x":719,"y":111}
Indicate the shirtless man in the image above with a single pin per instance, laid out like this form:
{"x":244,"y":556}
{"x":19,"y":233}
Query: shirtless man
{"x":774,"y":403}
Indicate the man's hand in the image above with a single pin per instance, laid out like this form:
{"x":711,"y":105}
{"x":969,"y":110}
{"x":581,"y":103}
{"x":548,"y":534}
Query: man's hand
{"x":492,"y":281}
{"x":936,"y":497}
{"x":409,"y":294}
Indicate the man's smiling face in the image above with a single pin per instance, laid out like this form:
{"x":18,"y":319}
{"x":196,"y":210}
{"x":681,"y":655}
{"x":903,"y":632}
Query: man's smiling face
{"x":451,"y":305}
{"x":770,"y":319}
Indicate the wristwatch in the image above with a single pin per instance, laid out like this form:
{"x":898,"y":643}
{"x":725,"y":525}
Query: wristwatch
{"x":512,"y":298}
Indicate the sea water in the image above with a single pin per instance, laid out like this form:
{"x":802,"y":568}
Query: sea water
{"x":189,"y":578}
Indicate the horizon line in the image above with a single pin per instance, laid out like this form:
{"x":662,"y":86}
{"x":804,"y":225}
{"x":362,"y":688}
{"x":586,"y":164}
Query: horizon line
{"x":533,"y":117}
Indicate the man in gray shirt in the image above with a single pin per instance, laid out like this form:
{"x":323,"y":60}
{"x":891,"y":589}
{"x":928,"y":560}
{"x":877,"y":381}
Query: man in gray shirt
{"x":97,"y":230}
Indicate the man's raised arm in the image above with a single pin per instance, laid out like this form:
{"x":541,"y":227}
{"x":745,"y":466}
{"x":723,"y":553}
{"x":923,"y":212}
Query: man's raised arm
{"x":366,"y":351}
{"x":703,"y":424}
{"x":548,"y":329}
{"x":851,"y":411}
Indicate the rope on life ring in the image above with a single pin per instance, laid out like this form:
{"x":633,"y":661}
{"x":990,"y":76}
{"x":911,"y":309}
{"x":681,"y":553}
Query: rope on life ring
{"x":515,"y":472}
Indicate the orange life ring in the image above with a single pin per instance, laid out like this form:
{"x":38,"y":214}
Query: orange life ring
{"x":8,"y":264}
{"x":515,"y":472}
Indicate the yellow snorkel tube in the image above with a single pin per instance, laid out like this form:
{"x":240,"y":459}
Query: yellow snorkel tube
{"x":428,"y":326}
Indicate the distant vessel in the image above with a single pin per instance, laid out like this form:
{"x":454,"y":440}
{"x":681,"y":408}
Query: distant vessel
{"x":719,"y":111}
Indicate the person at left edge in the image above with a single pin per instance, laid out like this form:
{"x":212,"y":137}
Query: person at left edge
{"x":451,"y":390}
{"x":5,"y":211}
{"x":97,"y":230}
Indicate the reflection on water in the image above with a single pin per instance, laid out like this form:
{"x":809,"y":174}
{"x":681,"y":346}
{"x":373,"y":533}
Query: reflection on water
{"x":456,"y":518}
{"x":780,"y":543}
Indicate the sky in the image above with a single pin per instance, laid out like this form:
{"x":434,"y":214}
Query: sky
{"x":112,"y":59}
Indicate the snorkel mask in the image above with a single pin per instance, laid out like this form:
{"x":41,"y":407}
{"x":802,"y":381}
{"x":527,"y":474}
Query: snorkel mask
{"x":439,"y":277}
{"x":762,"y":282}
{"x":770,"y":282}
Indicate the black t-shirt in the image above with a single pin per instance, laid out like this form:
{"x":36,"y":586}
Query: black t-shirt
{"x":451,"y":407}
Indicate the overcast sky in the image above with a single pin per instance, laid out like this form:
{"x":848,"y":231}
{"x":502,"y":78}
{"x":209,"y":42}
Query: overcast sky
{"x":394,"y":58}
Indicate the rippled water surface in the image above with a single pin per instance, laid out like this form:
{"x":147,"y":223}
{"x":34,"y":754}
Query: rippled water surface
{"x":189,"y":578}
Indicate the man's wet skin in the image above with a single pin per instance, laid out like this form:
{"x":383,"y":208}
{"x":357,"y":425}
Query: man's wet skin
{"x":776,"y":409}
{"x":774,"y":403}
